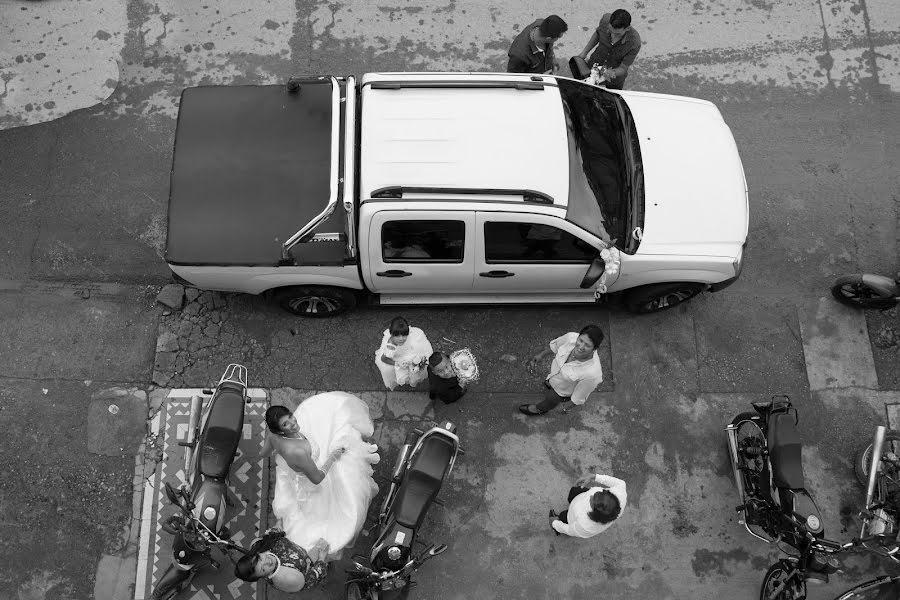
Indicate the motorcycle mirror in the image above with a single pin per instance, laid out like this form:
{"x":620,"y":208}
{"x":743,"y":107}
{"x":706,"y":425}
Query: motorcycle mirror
{"x":437,"y":550}
{"x":171,"y":494}
{"x":361,"y":568}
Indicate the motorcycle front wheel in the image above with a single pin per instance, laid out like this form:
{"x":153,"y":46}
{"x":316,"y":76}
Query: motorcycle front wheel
{"x":864,"y":457}
{"x":853,"y":291}
{"x":777,"y":579}
{"x":358,"y":591}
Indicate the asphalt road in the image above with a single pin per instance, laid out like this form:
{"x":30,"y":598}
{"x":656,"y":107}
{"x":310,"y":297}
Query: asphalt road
{"x":87,"y":111}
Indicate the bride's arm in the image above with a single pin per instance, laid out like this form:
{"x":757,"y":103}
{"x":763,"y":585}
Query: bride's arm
{"x":302,"y":462}
{"x":267,"y":448}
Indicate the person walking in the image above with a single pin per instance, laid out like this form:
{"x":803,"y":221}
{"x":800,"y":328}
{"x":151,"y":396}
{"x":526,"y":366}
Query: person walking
{"x":574,"y":373}
{"x":595,"y":501}
{"x":532,"y":50}
{"x":616,"y":44}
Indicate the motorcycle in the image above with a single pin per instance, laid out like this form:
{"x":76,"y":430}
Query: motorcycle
{"x":213,"y":436}
{"x":424,"y":463}
{"x":866,"y":290}
{"x":765,"y":452}
{"x":877,"y":467}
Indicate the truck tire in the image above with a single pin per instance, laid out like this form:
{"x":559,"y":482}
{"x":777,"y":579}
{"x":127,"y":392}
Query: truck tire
{"x":315,"y":301}
{"x":660,"y":296}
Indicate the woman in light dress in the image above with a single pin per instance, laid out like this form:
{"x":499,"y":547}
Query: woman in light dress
{"x":323,"y":471}
{"x":403,"y":355}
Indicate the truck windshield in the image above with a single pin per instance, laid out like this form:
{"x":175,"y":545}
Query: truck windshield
{"x":606,"y":181}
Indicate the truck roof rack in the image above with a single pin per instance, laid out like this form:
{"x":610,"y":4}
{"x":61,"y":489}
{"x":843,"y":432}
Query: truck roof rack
{"x":397,"y":191}
{"x":534,"y":84}
{"x":293,"y":87}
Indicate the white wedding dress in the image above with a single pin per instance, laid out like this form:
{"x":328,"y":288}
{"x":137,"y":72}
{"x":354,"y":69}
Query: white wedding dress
{"x":336,"y":508}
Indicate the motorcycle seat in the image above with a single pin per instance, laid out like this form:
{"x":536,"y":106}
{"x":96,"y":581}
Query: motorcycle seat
{"x":422,"y":480}
{"x":785,"y":451}
{"x":222,"y":434}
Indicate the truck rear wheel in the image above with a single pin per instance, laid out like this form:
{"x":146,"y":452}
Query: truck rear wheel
{"x":315,"y":301}
{"x":660,"y":296}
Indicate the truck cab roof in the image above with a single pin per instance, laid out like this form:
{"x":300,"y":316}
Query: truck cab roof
{"x":472,"y":131}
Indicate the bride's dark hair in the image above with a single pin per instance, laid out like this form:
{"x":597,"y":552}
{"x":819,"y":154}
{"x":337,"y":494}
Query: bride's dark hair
{"x":273,"y":415}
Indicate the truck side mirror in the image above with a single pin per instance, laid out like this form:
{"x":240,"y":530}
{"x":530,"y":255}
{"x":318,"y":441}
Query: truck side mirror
{"x":598,"y":266}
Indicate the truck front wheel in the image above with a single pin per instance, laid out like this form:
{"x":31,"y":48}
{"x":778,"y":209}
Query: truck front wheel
{"x":315,"y":301}
{"x":660,"y":296}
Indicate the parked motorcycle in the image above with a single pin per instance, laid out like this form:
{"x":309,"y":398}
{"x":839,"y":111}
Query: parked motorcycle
{"x":878,"y":468}
{"x":214,"y":432}
{"x":866,"y":290}
{"x":765,"y":452}
{"x":424,"y":462}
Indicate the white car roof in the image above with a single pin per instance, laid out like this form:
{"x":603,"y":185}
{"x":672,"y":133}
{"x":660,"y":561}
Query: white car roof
{"x":463,"y":137}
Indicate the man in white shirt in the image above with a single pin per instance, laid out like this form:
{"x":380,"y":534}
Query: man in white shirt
{"x":574,"y":373}
{"x":594,"y":503}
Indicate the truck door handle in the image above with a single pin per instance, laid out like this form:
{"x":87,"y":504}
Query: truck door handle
{"x":496,"y":274}
{"x":394,"y":273}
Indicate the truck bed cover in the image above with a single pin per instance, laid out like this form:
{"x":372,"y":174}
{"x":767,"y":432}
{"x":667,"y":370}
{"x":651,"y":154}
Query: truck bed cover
{"x":251,"y":167}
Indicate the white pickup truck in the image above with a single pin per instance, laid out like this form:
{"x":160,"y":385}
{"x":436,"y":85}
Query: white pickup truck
{"x":452,"y":188}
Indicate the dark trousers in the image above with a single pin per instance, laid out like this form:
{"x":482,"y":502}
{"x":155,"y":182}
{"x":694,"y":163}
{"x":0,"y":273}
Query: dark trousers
{"x":551,"y":399}
{"x":575,"y":490}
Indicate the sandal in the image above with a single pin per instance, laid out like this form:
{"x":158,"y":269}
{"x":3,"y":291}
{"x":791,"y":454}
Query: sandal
{"x":553,"y":517}
{"x":526,"y":409}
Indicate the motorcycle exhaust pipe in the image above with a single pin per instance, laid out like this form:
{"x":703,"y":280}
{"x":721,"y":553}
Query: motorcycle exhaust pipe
{"x":875,"y":463}
{"x":400,"y":464}
{"x":732,"y":446}
{"x":193,"y":421}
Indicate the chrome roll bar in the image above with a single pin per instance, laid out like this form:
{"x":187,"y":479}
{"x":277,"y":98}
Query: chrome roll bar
{"x":336,"y":180}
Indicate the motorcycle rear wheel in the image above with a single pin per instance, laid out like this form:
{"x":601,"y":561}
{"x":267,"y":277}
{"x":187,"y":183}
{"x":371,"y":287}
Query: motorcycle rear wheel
{"x":852,"y":291}
{"x":776,"y":576}
{"x":864,"y":457}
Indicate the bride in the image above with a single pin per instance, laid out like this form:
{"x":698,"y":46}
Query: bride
{"x":323,"y":470}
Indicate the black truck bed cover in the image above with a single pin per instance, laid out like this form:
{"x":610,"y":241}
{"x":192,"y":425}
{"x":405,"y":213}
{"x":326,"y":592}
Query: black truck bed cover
{"x":251,"y":167}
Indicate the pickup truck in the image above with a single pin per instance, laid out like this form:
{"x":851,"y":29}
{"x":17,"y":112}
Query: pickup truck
{"x":453,"y":188}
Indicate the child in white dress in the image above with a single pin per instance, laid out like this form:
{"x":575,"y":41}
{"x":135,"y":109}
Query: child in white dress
{"x":403,"y":355}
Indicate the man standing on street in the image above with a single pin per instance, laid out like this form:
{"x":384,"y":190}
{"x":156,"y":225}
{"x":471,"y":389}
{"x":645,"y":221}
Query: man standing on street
{"x":595,"y":501}
{"x":532,"y":50}
{"x":617,"y":45}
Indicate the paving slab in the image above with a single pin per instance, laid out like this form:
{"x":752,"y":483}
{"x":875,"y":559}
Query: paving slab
{"x":749,"y":343}
{"x":884,"y":332}
{"x":64,"y":506}
{"x":77,"y":333}
{"x":836,"y":346}
{"x":656,"y":352}
{"x":893,"y":415}
{"x":117,"y":421}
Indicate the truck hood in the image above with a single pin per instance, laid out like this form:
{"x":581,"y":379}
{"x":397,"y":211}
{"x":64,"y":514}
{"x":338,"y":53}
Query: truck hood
{"x":695,"y":190}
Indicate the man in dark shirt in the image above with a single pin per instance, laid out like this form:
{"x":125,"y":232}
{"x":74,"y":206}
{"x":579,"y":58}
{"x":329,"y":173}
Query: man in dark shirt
{"x":442,"y":381}
{"x":617,"y":45}
{"x":532,"y":50}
